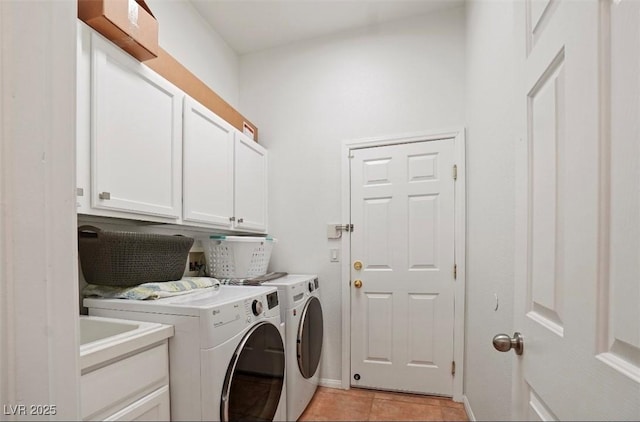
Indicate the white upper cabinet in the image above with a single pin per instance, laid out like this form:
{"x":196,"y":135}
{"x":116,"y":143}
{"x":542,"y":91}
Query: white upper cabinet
{"x":207,"y":167}
{"x":224,"y":173}
{"x":136,"y":125}
{"x":250,"y":185}
{"x":147,"y":151}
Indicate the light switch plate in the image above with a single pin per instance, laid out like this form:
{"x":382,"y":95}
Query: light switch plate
{"x":334,"y":255}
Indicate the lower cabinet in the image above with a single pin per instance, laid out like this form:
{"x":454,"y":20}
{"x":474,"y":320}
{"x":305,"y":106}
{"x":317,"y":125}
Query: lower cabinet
{"x":153,"y":407}
{"x":133,"y":388}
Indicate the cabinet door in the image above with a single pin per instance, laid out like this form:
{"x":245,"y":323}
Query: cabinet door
{"x":250,"y":185}
{"x":83,"y":118}
{"x":111,"y":388}
{"x":136,"y":126}
{"x":153,"y":407}
{"x":207,"y":166}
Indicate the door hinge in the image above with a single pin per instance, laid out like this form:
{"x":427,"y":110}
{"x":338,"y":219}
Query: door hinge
{"x":453,"y":367}
{"x":455,"y":172}
{"x":455,"y":272}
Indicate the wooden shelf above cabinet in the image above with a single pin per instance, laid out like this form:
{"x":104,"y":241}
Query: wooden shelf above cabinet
{"x":172,"y":70}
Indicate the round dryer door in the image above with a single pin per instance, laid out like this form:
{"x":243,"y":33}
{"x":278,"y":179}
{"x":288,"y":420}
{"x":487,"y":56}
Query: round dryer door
{"x":309,"y":342}
{"x":255,"y":376}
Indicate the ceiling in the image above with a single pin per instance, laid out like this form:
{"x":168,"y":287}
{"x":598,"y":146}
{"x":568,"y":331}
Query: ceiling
{"x":253,"y":25}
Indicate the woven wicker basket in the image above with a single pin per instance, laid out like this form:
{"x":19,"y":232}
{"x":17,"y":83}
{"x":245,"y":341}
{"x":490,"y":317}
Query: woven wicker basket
{"x":123,"y":259}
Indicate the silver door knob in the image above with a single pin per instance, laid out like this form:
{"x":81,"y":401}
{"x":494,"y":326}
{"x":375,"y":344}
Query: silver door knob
{"x":504,"y":343}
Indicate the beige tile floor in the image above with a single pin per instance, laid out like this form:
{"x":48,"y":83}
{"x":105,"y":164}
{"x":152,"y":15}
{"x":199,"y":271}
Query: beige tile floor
{"x":330,"y":404}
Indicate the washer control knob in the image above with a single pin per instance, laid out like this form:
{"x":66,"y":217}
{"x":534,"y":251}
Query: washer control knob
{"x":256,"y":307}
{"x":311,"y":286}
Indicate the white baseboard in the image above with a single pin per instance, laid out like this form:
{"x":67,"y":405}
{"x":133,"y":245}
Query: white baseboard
{"x":330,"y":383}
{"x":467,"y":408}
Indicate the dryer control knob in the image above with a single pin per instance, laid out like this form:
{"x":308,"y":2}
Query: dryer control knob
{"x":256,"y":307}
{"x":311,"y":286}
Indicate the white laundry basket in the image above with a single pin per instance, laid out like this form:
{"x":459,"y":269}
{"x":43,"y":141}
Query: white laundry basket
{"x":238,"y":256}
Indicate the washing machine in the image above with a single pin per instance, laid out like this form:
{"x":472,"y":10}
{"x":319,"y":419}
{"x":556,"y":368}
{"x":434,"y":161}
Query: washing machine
{"x":226,"y":359}
{"x":301,"y":312}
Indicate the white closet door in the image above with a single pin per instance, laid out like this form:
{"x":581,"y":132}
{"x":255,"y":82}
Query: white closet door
{"x":402,"y":298}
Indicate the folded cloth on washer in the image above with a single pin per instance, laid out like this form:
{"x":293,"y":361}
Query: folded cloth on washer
{"x":153,"y":290}
{"x":233,"y":281}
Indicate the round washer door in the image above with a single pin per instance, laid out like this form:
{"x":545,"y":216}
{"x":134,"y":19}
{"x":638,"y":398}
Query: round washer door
{"x":309,"y":344}
{"x":255,"y":376}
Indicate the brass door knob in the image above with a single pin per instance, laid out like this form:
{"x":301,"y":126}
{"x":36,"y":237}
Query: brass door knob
{"x":357,"y":265}
{"x":357,"y":284}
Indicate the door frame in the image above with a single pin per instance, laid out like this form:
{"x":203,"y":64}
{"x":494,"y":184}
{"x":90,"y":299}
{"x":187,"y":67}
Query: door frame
{"x":39,"y":334}
{"x":458,"y":138}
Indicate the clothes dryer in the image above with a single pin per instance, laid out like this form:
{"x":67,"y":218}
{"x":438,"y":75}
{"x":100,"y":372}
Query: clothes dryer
{"x":301,"y":312}
{"x":227,"y":359}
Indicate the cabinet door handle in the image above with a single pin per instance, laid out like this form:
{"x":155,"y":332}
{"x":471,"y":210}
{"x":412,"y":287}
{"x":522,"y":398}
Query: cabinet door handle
{"x":104,"y":195}
{"x":240,"y":220}
{"x":232,"y":219}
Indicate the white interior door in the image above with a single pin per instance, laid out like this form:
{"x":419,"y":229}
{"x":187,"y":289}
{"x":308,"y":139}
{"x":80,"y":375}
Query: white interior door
{"x":577,"y":286}
{"x":402,"y":209}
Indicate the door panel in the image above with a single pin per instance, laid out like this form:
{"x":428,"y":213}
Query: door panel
{"x":545,"y":117}
{"x":250,"y":184}
{"x":566,"y":205}
{"x":422,"y":167}
{"x":538,"y":410}
{"x":208,"y":166}
{"x":135,"y":135}
{"x":620,"y":318}
{"x":422,"y":313}
{"x":379,"y":319}
{"x":423,"y":231}
{"x":378,"y":226}
{"x":402,"y":316}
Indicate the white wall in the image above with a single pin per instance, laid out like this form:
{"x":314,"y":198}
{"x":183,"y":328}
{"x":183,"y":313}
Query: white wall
{"x":490,"y":205}
{"x":308,"y":97}
{"x":185,"y":35}
{"x":39,"y":362}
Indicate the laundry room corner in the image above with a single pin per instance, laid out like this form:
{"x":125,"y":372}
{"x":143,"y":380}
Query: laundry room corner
{"x":366,"y":90}
{"x":491,"y":139}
